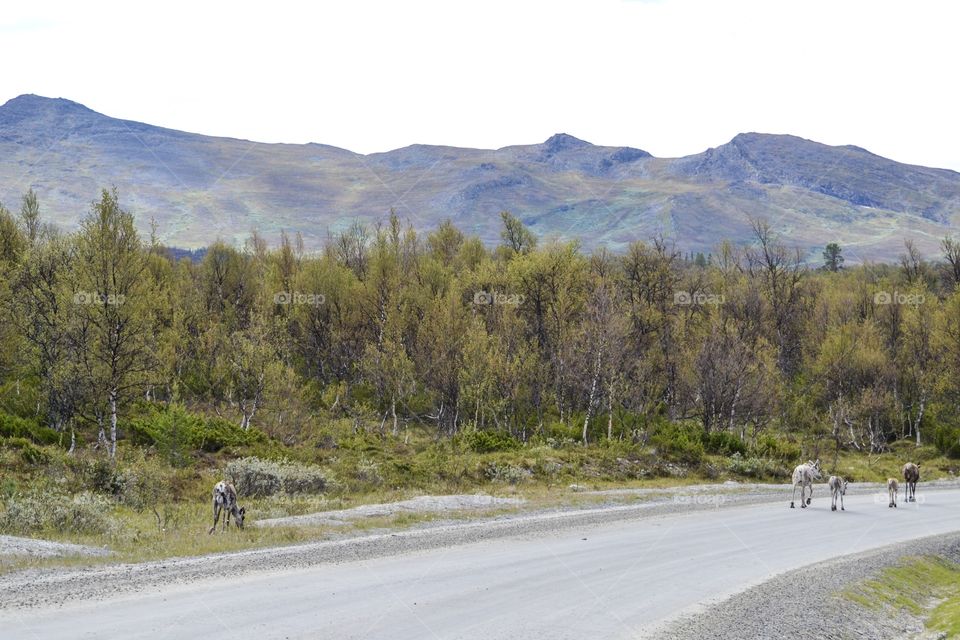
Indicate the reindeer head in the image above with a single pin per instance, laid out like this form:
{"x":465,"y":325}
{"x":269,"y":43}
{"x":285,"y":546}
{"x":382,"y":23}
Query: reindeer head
{"x":815,"y":468}
{"x":241,"y":513}
{"x":843,"y":486}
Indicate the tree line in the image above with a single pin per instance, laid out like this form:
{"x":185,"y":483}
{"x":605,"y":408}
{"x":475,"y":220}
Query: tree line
{"x":391,"y":327}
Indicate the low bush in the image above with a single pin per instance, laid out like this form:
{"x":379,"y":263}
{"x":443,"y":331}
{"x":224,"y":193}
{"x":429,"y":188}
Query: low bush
{"x":83,"y":513}
{"x":754,"y":467}
{"x":504,"y":472}
{"x":257,"y":478}
{"x":489,"y":441}
{"x":770,"y":446}
{"x":682,"y":443}
{"x":724,"y":443}
{"x":176,"y":433}
{"x":16,"y":427}
{"x":947,"y":440}
{"x":29,"y":453}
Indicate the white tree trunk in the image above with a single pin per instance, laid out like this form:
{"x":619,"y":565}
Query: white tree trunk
{"x":113,"y":424}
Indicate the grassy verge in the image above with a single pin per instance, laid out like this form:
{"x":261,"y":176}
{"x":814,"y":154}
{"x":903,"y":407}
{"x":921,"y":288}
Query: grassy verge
{"x":926,"y":587}
{"x":154,"y":501}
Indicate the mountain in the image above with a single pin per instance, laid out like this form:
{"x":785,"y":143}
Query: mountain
{"x":199,"y":188}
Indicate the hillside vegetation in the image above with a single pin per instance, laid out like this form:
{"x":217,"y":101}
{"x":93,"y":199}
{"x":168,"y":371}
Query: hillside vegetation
{"x":394,"y":363}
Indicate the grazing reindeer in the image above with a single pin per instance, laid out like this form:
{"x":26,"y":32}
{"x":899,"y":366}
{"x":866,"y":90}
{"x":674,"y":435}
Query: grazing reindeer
{"x":911,"y":476}
{"x":838,"y":487}
{"x":803,"y":477}
{"x":892,"y":488}
{"x":225,"y":499}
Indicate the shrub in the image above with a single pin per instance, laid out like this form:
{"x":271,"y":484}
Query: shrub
{"x":489,"y":441}
{"x":769,"y":446}
{"x":368,"y":471}
{"x":257,"y":478}
{"x":947,"y":440}
{"x":102,"y":477}
{"x":502,"y":472}
{"x":29,"y":452}
{"x":724,"y":443}
{"x":16,"y":427}
{"x":680,"y":442}
{"x":176,"y":432}
{"x":84,"y":513}
{"x":754,"y":467}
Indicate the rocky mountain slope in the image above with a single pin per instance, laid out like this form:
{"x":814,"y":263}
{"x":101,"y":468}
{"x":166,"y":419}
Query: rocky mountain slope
{"x":199,"y":188}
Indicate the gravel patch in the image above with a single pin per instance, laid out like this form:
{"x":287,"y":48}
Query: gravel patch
{"x":418,"y":505}
{"x":30,"y":547}
{"x":806,"y":603}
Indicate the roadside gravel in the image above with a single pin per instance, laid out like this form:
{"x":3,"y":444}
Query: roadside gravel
{"x":30,"y":547}
{"x":418,"y":505}
{"x":806,"y":603}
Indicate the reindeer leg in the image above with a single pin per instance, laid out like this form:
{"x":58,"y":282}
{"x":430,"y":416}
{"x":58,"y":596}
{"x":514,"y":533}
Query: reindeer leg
{"x":793,"y":497}
{"x":216,"y":517}
{"x":841,"y":502}
{"x":810,"y":498}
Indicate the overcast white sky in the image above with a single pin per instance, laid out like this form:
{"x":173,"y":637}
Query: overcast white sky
{"x":670,"y":76}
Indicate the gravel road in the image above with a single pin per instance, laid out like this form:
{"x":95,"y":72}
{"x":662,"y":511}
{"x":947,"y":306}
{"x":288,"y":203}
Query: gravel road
{"x":608,"y":572}
{"x":777,"y":609}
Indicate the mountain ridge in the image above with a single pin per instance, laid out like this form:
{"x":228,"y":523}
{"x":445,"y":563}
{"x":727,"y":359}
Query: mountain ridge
{"x":200,"y":187}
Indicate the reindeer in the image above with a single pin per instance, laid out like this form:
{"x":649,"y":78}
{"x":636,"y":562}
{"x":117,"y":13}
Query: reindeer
{"x":911,"y":476}
{"x":225,"y":499}
{"x":838,"y":487}
{"x":803,"y":477}
{"x":892,"y":488}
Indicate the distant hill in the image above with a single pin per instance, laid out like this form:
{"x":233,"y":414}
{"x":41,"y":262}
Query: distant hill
{"x":200,"y":188}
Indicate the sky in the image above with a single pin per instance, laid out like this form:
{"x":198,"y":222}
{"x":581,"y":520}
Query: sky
{"x":673,"y":77}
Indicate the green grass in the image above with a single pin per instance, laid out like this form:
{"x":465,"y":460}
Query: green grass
{"x":369,"y":467}
{"x":927,"y":587}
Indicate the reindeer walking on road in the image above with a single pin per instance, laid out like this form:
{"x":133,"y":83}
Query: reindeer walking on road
{"x":838,"y":488}
{"x":803,"y":477}
{"x":911,"y":476}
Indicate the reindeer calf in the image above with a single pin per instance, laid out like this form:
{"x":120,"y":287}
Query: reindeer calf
{"x":225,"y":499}
{"x":838,"y":488}
{"x":892,"y":488}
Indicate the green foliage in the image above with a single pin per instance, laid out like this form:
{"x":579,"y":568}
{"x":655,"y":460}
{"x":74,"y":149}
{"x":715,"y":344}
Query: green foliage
{"x":176,"y":433}
{"x":29,"y":452}
{"x":489,"y":441}
{"x":724,"y":443}
{"x":946,"y":437}
{"x":16,"y":427}
{"x":680,"y":442}
{"x":777,"y":448}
